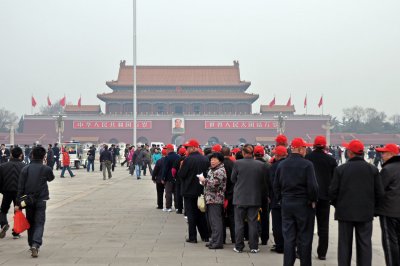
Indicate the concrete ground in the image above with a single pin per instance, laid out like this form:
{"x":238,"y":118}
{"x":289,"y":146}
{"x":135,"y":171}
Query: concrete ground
{"x":115,"y":222}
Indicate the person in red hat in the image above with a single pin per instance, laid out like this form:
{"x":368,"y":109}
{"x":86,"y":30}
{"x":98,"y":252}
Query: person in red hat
{"x":281,"y":140}
{"x":355,"y":187}
{"x":168,"y":179}
{"x":324,"y":165}
{"x":251,"y":188}
{"x":280,"y":154}
{"x":388,"y":207}
{"x":194,"y":164}
{"x":259,"y":153}
{"x":296,"y":187}
{"x":175,"y":168}
{"x":216,"y":148}
{"x":156,"y":176}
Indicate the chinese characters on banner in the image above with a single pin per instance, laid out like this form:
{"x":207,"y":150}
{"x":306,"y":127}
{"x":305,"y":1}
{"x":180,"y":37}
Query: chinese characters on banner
{"x":240,"y":124}
{"x":124,"y":124}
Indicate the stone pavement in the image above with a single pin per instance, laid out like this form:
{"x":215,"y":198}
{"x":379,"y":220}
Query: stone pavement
{"x":115,"y":222}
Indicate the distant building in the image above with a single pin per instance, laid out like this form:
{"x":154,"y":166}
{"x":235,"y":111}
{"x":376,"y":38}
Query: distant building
{"x":176,"y":103}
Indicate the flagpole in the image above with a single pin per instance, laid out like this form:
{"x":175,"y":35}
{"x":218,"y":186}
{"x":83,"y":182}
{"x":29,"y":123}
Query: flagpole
{"x":322,"y":109}
{"x":134,"y":76}
{"x":306,"y":104}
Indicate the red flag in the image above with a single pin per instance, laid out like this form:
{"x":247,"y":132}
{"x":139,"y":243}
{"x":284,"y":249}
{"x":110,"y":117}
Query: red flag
{"x":48,"y":101}
{"x":34,"y":103}
{"x":272,"y":103}
{"x":305,"y":102}
{"x":320,"y":102}
{"x":79,"y":101}
{"x":289,"y":102}
{"x":62,"y":101}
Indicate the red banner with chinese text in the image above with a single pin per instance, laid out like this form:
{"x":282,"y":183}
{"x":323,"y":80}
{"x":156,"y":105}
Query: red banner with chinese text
{"x":240,"y":124}
{"x":118,"y":124}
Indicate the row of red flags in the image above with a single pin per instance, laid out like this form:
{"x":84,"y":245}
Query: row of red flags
{"x":62,"y":101}
{"x":289,"y":102}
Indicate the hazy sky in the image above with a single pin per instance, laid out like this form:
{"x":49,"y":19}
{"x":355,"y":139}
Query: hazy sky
{"x":347,"y":50}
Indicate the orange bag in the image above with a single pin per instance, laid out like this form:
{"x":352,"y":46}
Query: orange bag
{"x":20,"y":222}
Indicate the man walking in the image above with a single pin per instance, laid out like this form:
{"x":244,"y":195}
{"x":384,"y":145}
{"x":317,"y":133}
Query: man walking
{"x":91,"y":156}
{"x":106,"y":161}
{"x":33,"y":181}
{"x":9,"y":174}
{"x":50,"y":156}
{"x":66,"y":164}
{"x":355,"y":188}
{"x":324,"y":165}
{"x":56,"y":153}
{"x":296,"y":187}
{"x":388,"y":207}
{"x":4,"y":154}
{"x":251,"y":189}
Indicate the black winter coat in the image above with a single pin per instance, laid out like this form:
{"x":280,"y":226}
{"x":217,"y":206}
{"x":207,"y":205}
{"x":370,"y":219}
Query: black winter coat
{"x":33,"y":180}
{"x":228,"y":165}
{"x":272,"y":174}
{"x":355,"y":188}
{"x":324,"y":165}
{"x":193,"y":165}
{"x":9,"y":174}
{"x":389,"y":204}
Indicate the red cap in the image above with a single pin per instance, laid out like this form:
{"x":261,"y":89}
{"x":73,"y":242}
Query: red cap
{"x":320,"y":141}
{"x":281,"y":140}
{"x":216,"y":148}
{"x":164,"y":152}
{"x":259,"y":150}
{"x":169,"y":147}
{"x":390,"y":147}
{"x":355,"y":146}
{"x":235,"y":150}
{"x":192,"y":143}
{"x":299,"y":142}
{"x":182,"y":151}
{"x":280,"y":151}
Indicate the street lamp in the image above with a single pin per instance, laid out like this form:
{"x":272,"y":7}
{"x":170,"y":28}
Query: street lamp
{"x":134,"y":76}
{"x":328,"y":126}
{"x":59,"y":125}
{"x":281,"y":123}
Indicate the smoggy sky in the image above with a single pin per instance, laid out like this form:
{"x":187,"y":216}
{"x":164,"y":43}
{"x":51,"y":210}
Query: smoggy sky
{"x":347,"y":50}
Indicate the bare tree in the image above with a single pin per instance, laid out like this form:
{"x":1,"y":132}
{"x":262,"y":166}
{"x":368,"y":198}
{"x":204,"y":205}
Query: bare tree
{"x":6,"y":119}
{"x":54,"y":109}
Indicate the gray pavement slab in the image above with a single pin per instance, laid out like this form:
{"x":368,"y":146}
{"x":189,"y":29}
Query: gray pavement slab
{"x":114,"y":222}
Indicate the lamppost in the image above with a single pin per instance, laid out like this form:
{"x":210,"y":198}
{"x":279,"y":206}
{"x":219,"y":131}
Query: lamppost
{"x":59,"y":125}
{"x":281,"y":123}
{"x":134,"y":76}
{"x":328,"y":126}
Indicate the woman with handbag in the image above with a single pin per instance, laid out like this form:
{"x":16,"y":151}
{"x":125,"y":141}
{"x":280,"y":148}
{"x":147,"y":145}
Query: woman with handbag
{"x":214,"y":191}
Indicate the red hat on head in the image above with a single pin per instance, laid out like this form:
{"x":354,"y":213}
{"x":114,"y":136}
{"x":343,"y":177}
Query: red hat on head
{"x":192,"y":143}
{"x":281,"y":140}
{"x":216,"y":148}
{"x":235,"y":150}
{"x":259,"y":150}
{"x":280,"y":151}
{"x":164,"y":152}
{"x":355,"y":146}
{"x":169,"y":147}
{"x":320,"y":141}
{"x":182,"y":151}
{"x":299,"y":142}
{"x":390,"y":147}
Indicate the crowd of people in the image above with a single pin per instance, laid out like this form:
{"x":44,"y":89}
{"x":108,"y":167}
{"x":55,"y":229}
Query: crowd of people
{"x":294,"y":185}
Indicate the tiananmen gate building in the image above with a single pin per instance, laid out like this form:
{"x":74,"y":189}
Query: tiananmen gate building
{"x":174,"y":104}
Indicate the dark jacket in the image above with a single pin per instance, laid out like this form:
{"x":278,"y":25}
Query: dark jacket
{"x":355,"y":188}
{"x":193,"y":165}
{"x":91,"y":154}
{"x":138,"y":157}
{"x":33,"y":180}
{"x":49,"y":156}
{"x":56,"y":152}
{"x":4,"y":155}
{"x":167,"y":166}
{"x":272,"y":174}
{"x":295,"y":178}
{"x":324,"y":165}
{"x":106,"y":156}
{"x":390,"y":174}
{"x":228,"y":165}
{"x":9,"y":174}
{"x":156,"y":175}
{"x":251,"y":182}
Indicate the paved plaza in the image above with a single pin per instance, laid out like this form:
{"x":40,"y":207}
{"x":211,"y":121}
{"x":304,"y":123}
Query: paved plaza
{"x":115,"y":222}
